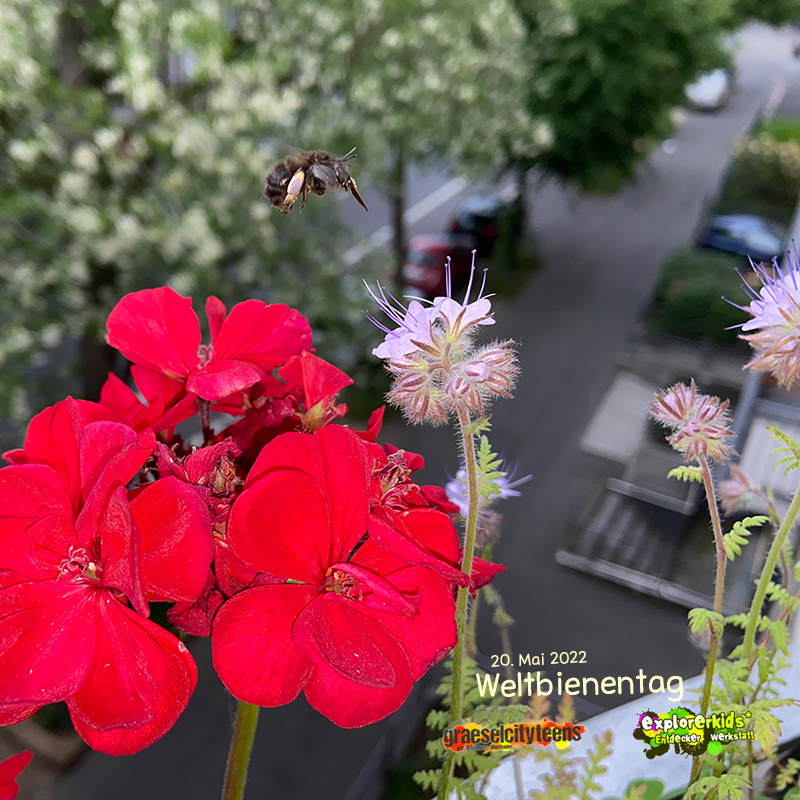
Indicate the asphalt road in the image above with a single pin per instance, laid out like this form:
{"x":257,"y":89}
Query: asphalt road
{"x":601,"y":257}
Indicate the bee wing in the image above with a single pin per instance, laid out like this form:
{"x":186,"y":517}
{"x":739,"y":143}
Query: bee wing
{"x":326,"y":172}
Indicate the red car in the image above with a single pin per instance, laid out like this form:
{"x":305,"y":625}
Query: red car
{"x":424,"y":270}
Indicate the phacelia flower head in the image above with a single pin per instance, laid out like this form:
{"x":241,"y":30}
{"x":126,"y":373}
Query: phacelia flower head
{"x":699,"y":423}
{"x":775,"y":311}
{"x":437,"y":370}
{"x":738,"y":493}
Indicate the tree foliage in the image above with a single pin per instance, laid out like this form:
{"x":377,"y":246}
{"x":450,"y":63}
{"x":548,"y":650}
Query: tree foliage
{"x":133,"y":151}
{"x":609,"y":79}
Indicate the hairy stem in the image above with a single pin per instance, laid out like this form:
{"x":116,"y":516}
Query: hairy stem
{"x":766,"y":577}
{"x":244,"y":732}
{"x":719,"y":588}
{"x":457,"y":699}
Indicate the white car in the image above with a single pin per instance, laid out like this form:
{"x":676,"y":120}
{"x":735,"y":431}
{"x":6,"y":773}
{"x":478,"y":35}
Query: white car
{"x":711,"y":90}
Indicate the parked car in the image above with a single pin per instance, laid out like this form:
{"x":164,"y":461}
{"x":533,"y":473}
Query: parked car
{"x":711,"y":90}
{"x":424,"y":270}
{"x":479,"y":216}
{"x":745,"y":234}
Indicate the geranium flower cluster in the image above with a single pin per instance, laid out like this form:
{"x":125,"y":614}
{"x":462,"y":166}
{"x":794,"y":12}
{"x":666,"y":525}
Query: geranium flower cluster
{"x":303,"y":548}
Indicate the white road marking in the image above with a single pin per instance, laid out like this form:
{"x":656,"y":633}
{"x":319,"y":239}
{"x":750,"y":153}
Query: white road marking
{"x":420,"y":209}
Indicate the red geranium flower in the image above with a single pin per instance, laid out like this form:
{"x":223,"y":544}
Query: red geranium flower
{"x":350,"y":625}
{"x":158,"y":329}
{"x":78,"y":565}
{"x":166,"y":404}
{"x":10,"y":770}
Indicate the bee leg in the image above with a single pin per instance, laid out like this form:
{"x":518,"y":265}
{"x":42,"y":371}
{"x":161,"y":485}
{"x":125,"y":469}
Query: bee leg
{"x":307,"y":187}
{"x":354,"y":191}
{"x":293,"y":190}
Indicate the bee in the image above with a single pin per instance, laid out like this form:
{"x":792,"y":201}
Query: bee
{"x":315,"y":171}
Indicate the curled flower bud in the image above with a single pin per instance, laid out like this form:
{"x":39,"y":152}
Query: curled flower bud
{"x":738,"y":493}
{"x":423,"y":404}
{"x":462,"y":392}
{"x":477,"y":371}
{"x":699,"y":422}
{"x":775,"y":311}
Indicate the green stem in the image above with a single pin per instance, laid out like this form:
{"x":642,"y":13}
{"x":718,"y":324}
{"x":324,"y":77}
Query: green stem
{"x":457,"y":699}
{"x":766,"y":576}
{"x":719,"y":588}
{"x":244,"y":733}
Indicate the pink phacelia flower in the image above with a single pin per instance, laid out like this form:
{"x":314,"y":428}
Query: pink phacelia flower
{"x":699,"y":423}
{"x":436,"y":369}
{"x":775,"y":311}
{"x":738,"y":493}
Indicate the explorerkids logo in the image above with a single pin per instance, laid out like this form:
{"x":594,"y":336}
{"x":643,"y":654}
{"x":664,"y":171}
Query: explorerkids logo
{"x":689,"y":733}
{"x":503,"y":737}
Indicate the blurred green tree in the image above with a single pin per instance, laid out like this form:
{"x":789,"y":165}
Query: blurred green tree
{"x":609,"y":83}
{"x":407,"y":82}
{"x":610,"y":72}
{"x":774,"y":12}
{"x":133,"y":149}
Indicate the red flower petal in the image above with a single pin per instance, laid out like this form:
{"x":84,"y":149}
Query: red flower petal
{"x":318,"y":379}
{"x":222,"y":377}
{"x":11,"y":714}
{"x":339,"y":460}
{"x":252,"y":646}
{"x":40,"y":624}
{"x":380,"y":595}
{"x":215,"y":311}
{"x":176,"y":543}
{"x":140,"y":683}
{"x":35,"y":521}
{"x":436,"y":497}
{"x":106,"y":529}
{"x":280,"y":526}
{"x":414,"y":461}
{"x":483,"y":573}
{"x":265,"y":335}
{"x":54,"y":438}
{"x":157,"y":329}
{"x":353,"y":705}
{"x":10,"y":769}
{"x":387,"y":529}
{"x":337,"y":633}
{"x":373,"y":425}
{"x":195,"y":618}
{"x":114,"y":451}
{"x":431,"y":635}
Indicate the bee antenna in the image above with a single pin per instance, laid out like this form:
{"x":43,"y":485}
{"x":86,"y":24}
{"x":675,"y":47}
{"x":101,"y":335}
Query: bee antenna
{"x":351,"y":154}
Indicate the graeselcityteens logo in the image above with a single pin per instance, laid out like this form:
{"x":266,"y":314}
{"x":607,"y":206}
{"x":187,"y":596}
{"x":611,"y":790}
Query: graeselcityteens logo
{"x":503,"y":737}
{"x":689,"y":733}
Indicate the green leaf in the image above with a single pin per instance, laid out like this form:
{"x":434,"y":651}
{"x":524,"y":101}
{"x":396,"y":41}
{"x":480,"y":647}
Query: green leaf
{"x":790,"y":452}
{"x":737,"y":537}
{"x":701,"y":620}
{"x":686,"y":473}
{"x":643,"y":790}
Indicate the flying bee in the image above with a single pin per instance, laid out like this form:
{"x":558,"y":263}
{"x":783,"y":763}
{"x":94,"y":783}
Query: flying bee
{"x":315,"y":171}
